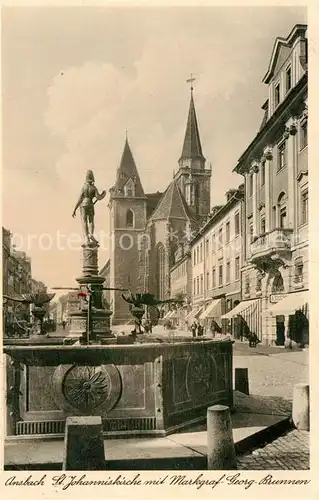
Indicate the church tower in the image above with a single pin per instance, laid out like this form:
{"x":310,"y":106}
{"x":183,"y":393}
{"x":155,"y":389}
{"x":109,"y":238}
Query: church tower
{"x":192,"y":176}
{"x":127,"y":206}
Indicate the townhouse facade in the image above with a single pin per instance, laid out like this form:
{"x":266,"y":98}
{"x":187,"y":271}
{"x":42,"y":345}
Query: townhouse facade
{"x":216,"y":253}
{"x":275,"y":275}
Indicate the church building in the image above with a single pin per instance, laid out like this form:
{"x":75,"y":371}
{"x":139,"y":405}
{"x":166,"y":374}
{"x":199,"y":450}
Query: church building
{"x":147,"y":228}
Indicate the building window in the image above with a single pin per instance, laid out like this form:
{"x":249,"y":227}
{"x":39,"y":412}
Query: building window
{"x":237,"y":224}
{"x":237,"y":268}
{"x":201,"y":284}
{"x":227,"y":272}
{"x":282,"y":206}
{"x":277,"y":94}
{"x":207,"y":280}
{"x":262,"y":224}
{"x":251,"y":231}
{"x":207,"y":247}
{"x":262,"y":174}
{"x":278,"y":284}
{"x":251,"y":185}
{"x":304,"y":207}
{"x":227,"y":232}
{"x":282,"y":155}
{"x":129,"y":218}
{"x":288,"y":79}
{"x":220,"y":275}
{"x":194,"y":286}
{"x":304,"y":134}
{"x":201,"y":252}
{"x":197,"y":283}
{"x":298,"y":270}
{"x":197,"y":256}
{"x":194,"y":257}
{"x":220,"y":237}
{"x":214,"y":278}
{"x":274,"y":217}
{"x":213,"y":243}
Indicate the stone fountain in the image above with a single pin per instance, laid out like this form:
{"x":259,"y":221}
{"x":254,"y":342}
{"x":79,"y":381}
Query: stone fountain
{"x":138,"y":389}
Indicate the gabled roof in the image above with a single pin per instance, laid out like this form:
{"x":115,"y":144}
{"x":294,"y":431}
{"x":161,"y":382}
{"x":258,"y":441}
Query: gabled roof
{"x":298,"y":30}
{"x":172,"y":205}
{"x":152,"y":202}
{"x":192,"y":146}
{"x":127,"y":170}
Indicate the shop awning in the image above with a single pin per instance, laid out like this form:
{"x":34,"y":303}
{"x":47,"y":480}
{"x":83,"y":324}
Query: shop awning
{"x":240,"y":308}
{"x":289,"y":304}
{"x":191,"y":316}
{"x":213,"y":310}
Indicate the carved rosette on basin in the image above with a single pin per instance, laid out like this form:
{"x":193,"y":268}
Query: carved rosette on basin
{"x":87,"y":390}
{"x":86,"y":387}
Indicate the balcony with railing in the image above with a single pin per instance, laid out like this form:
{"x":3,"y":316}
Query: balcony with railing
{"x":271,"y":246}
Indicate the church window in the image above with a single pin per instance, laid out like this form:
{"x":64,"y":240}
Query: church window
{"x":129,"y":218}
{"x":160,"y":271}
{"x":129,"y":188}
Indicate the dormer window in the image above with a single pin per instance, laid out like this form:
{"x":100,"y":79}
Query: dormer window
{"x":277,"y":94}
{"x":129,"y":188}
{"x":288,"y":79}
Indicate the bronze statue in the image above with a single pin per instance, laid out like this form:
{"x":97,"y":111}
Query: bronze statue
{"x":86,"y":204}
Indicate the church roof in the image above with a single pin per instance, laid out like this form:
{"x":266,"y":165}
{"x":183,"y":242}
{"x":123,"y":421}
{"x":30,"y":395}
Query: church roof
{"x":172,"y":205}
{"x":152,"y":202}
{"x":192,"y":146}
{"x":128,"y":170}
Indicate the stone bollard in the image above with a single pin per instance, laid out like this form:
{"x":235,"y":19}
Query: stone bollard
{"x":241,"y":380}
{"x":301,"y":407}
{"x":220,"y":444}
{"x":83,"y":444}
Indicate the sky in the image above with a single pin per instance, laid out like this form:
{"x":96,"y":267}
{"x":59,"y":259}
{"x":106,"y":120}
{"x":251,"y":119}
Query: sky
{"x":75,"y":79}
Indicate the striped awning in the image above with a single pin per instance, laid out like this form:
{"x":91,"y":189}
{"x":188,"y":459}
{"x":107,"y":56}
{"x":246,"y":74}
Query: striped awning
{"x":213,"y":310}
{"x":241,"y":308}
{"x":289,"y":304}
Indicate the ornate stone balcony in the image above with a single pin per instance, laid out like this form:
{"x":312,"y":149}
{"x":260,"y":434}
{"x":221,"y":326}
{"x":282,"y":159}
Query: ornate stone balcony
{"x":271,"y":248}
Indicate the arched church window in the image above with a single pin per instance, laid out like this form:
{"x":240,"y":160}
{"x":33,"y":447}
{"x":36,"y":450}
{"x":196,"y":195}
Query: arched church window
{"x":129,"y":218}
{"x":160,"y":274}
{"x":129,"y":188}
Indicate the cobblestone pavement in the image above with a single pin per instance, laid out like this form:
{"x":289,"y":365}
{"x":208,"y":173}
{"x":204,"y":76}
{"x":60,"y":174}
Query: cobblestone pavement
{"x":289,"y":452}
{"x":272,"y":371}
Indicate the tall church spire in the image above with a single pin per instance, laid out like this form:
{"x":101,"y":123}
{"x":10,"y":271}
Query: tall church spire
{"x":127,"y":178}
{"x":192,"y":148}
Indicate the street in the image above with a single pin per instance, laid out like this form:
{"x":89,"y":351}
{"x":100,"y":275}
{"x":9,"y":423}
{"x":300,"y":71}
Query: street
{"x":272,"y":371}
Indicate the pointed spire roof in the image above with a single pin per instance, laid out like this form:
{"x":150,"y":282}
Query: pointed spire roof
{"x":172,"y":205}
{"x":128,"y":170}
{"x":192,"y":147}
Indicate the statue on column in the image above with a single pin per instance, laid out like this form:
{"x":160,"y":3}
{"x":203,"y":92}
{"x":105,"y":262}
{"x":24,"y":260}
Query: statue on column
{"x":86,"y":204}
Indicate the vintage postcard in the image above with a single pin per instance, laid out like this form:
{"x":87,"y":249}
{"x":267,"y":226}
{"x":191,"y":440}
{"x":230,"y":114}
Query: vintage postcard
{"x":156,"y":261}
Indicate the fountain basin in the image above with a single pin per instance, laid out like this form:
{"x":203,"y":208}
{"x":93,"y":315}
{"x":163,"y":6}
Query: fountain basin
{"x":146,"y":389}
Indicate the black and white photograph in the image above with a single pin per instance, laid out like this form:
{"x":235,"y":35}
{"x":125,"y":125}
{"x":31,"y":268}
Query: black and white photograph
{"x":155,"y":247}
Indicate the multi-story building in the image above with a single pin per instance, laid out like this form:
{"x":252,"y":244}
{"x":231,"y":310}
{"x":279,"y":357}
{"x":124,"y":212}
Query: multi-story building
{"x":181,"y":285}
{"x":275,"y":168}
{"x":216,"y":261}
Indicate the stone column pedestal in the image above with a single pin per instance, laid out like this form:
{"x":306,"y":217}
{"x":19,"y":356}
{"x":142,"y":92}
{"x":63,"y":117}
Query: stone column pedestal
{"x":92,"y":284}
{"x":301,"y":407}
{"x":220,"y":444}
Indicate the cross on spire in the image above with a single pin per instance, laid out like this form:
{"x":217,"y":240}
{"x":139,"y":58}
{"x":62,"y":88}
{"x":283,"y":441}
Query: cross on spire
{"x":191,"y":80}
